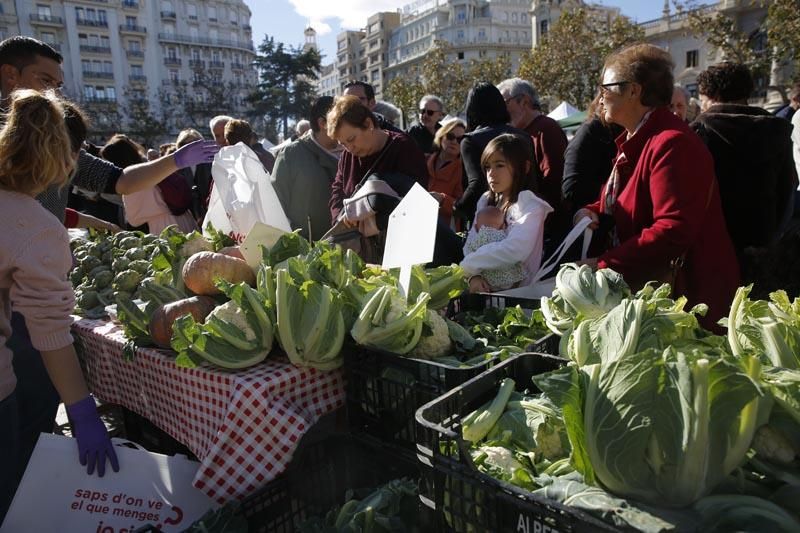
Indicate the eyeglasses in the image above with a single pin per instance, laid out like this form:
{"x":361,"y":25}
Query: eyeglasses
{"x":429,"y":112}
{"x":452,"y":137}
{"x":509,"y":98}
{"x":605,"y":88}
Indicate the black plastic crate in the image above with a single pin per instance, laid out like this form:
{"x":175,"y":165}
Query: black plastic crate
{"x":143,"y":432}
{"x":318,"y":479}
{"x":384,"y":391}
{"x":479,"y":302}
{"x":463,"y":498}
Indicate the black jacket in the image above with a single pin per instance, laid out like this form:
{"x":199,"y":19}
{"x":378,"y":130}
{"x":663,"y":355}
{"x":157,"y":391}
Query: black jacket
{"x":588,"y":161}
{"x":423,"y":137}
{"x":755,"y":169}
{"x":474,"y":177}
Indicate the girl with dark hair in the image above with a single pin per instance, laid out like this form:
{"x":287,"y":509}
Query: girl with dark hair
{"x":487,"y":254}
{"x":487,"y":117}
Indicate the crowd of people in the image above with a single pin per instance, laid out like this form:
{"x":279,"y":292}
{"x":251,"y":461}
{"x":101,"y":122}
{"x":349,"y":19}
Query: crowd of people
{"x":690,"y":203}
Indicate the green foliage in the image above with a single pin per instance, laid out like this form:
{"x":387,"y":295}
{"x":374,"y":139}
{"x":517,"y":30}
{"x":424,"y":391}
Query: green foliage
{"x":567,"y":63}
{"x":285,"y":87}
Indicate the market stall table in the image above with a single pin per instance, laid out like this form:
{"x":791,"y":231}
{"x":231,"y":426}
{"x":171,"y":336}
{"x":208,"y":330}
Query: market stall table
{"x":243,"y":426}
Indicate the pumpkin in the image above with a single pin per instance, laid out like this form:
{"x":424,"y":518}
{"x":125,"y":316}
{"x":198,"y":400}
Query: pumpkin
{"x":165,"y":315}
{"x":232,"y":251}
{"x":203,"y":268}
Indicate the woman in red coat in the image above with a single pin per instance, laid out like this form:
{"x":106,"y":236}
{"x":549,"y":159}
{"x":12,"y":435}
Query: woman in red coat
{"x":662,"y":197}
{"x":445,"y":170}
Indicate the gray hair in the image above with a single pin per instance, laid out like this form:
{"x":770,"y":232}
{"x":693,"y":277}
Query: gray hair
{"x":389,"y":112}
{"x":684,"y":90}
{"x":302,"y":126}
{"x":519,"y":87}
{"x":431,"y":98}
{"x":216,"y":120}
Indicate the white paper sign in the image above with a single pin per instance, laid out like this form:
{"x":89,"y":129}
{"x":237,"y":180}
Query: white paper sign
{"x":260,"y":235}
{"x":411,"y":234}
{"x":56,"y":493}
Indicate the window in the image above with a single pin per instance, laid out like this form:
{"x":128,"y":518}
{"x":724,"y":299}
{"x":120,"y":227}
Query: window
{"x":195,"y":54}
{"x":191,"y":10}
{"x":48,"y":37}
{"x":544,"y":25}
{"x":88,"y":92}
{"x":194,"y":33}
{"x":172,"y":52}
{"x":691,"y":58}
{"x":169,"y":29}
{"x":101,"y":16}
{"x":174,"y":76}
{"x":460,"y":34}
{"x":134,"y":46}
{"x":91,"y":14}
{"x":94,"y":40}
{"x":83,"y":39}
{"x":234,"y":37}
{"x":137,"y":70}
{"x":197,"y":77}
{"x":514,"y":17}
{"x":130,"y":21}
{"x":44,"y":11}
{"x":523,"y":18}
{"x":80,"y":14}
{"x":214,"y":34}
{"x":215,"y":55}
{"x":461,"y":55}
{"x":212,"y":13}
{"x":111,"y":93}
{"x":108,"y":67}
{"x":105,"y":42}
{"x":482,"y":33}
{"x":86,"y":65}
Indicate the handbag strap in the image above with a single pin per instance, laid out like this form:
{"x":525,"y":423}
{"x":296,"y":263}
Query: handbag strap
{"x":580,"y":228}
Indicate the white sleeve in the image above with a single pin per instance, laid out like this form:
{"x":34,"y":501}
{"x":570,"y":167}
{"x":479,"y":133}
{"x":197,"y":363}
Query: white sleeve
{"x":515,"y":248}
{"x":796,"y":141}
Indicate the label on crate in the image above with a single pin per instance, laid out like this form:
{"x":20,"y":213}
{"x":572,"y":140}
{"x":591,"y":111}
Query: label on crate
{"x":411,"y":234}
{"x":527,"y":524}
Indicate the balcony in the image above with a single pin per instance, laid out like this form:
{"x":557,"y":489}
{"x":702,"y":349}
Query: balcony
{"x":175,"y":38}
{"x":95,"y":49}
{"x":137,"y":78}
{"x":237,"y":66}
{"x":197,"y":63}
{"x":99,"y":100}
{"x":247,"y":27}
{"x":216,"y":64}
{"x":172,"y":61}
{"x":168,"y":15}
{"x":130,"y":4}
{"x":99,"y":75}
{"x":46,"y":20}
{"x":92,"y":23}
{"x":135,"y":54}
{"x":132,"y":28}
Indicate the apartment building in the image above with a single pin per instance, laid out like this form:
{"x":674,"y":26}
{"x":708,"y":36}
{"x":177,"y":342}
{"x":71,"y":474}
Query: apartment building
{"x":475,"y":29}
{"x":544,"y":13}
{"x":117,"y":52}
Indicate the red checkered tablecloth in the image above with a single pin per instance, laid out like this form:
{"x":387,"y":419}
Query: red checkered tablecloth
{"x":243,"y":425}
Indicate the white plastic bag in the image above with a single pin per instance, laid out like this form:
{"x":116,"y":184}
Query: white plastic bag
{"x":242,"y":194}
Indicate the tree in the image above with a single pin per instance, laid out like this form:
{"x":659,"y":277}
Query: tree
{"x":104,"y":118}
{"x":285,"y":88}
{"x":567,"y":63}
{"x":405,"y":92}
{"x":144,"y":124}
{"x":783,"y":32}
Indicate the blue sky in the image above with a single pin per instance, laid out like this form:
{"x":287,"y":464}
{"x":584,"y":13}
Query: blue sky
{"x":286,"y":19}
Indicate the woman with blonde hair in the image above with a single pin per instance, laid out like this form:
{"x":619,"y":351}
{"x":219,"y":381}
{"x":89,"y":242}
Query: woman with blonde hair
{"x":34,"y":265}
{"x":445,"y":170}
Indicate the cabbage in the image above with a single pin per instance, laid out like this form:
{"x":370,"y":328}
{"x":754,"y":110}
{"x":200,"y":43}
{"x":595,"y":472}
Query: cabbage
{"x":663,"y":427}
{"x":388,"y":323}
{"x":768,"y":328}
{"x":311,"y":327}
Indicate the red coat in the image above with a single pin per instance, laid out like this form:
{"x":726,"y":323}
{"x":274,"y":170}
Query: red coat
{"x":663,"y":211}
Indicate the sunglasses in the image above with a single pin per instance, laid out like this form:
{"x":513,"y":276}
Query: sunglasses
{"x":452,"y":137}
{"x":605,"y":88}
{"x":429,"y":112}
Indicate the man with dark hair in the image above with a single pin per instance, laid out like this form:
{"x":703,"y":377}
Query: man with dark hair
{"x":366,"y":93}
{"x":752,"y":153}
{"x":303,"y":174}
{"x":28,"y":63}
{"x":237,"y":130}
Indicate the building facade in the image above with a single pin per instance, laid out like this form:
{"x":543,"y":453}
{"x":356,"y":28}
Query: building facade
{"x":544,"y":13}
{"x":474,"y":29}
{"x":126,"y":51}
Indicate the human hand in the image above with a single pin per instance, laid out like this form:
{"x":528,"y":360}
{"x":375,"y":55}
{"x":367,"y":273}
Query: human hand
{"x":478,"y":284}
{"x":439,"y":197}
{"x":94,"y":445}
{"x":581,"y":213}
{"x":195,"y":153}
{"x":107,"y":226}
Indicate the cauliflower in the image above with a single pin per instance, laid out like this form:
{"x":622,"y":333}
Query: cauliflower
{"x":232,"y":314}
{"x":435,"y":340}
{"x":195,"y":242}
{"x":771,"y":444}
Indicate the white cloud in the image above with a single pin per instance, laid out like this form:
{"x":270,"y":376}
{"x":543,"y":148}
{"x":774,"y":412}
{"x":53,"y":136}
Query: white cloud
{"x":322,"y":28}
{"x":351,"y":14}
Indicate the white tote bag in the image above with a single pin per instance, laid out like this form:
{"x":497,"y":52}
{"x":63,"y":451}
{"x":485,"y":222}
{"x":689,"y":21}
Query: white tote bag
{"x":242,"y":194}
{"x":56,"y":493}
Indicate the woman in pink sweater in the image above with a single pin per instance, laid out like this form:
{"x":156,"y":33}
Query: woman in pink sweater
{"x":34,"y":264}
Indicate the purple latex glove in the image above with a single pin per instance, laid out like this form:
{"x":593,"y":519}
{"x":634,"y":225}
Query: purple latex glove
{"x":195,"y":153}
{"x":94,"y":446}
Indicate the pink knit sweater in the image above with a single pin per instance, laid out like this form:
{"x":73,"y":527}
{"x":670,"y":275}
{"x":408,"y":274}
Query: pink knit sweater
{"x":34,"y":263}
